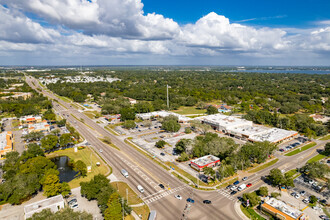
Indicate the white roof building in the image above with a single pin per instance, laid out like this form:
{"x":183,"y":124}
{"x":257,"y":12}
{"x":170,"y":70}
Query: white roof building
{"x":53,"y":203}
{"x":163,"y":114}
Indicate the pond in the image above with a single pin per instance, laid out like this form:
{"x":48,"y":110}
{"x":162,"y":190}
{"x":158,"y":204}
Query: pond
{"x":66,"y":172}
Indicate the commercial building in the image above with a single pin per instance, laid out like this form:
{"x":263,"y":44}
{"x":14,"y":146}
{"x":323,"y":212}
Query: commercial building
{"x":53,"y":203}
{"x":6,"y":142}
{"x":43,"y":126}
{"x":163,"y":114}
{"x":30,"y":119}
{"x":246,"y":130}
{"x":206,"y":161}
{"x":281,"y":210}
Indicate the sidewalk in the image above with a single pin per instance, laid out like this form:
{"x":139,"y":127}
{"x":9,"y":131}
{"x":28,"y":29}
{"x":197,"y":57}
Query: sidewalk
{"x":239,"y":211}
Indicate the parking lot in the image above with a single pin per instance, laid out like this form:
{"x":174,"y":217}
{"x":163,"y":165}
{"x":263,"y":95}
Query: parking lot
{"x":293,"y":144}
{"x":311,"y":187}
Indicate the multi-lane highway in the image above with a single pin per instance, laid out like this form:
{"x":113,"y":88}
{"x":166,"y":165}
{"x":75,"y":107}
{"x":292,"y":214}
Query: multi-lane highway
{"x":143,"y":171}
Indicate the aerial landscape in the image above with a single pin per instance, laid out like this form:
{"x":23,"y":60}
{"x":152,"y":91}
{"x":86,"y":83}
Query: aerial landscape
{"x":176,"y":110}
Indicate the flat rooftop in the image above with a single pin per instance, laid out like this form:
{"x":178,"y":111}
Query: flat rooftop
{"x":163,"y":114}
{"x":283,"y":207}
{"x":202,"y":161}
{"x":225,"y":120}
{"x":3,"y":140}
{"x":273,"y":135}
{"x":46,"y":203}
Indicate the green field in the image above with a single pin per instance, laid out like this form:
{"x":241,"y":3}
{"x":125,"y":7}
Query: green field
{"x":184,"y":110}
{"x":297,"y":151}
{"x":133,"y":198}
{"x":263,"y":166}
{"x":316,"y":158}
{"x":251,"y":214}
{"x":87,"y":156}
{"x":143,"y":211}
{"x":325,"y":138}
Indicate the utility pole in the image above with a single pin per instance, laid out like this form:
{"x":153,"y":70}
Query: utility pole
{"x":168,"y":102}
{"x":122,"y":204}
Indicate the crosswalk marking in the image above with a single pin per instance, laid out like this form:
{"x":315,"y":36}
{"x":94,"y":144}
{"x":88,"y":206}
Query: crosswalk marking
{"x":226,"y":194}
{"x":162,"y":194}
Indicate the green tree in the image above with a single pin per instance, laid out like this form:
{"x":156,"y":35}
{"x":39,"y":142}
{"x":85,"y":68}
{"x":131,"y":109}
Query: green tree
{"x":33,"y":136}
{"x":211,"y":110}
{"x":326,"y":151}
{"x":160,"y":144}
{"x":182,"y":145}
{"x":129,"y":124}
{"x":61,"y":123}
{"x":312,"y":199}
{"x":127,"y":114}
{"x":171,"y":124}
{"x":209,"y":172}
{"x":275,"y":194}
{"x":183,"y":157}
{"x":262,"y":191}
{"x":65,"y":189}
{"x":253,"y":198}
{"x":49,"y":142}
{"x":114,"y":210}
{"x":65,"y":139}
{"x":49,"y":115}
{"x":51,"y":185}
{"x":33,"y":150}
{"x":316,"y":169}
{"x":81,"y":168}
{"x":187,"y":130}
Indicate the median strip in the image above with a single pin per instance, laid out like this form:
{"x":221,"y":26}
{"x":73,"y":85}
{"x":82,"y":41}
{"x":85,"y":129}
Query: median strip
{"x":297,"y":151}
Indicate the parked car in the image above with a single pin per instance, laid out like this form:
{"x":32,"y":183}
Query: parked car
{"x":302,"y":193}
{"x":293,"y":194}
{"x":297,"y":196}
{"x":207,"y":201}
{"x":190,"y":200}
{"x":306,"y":201}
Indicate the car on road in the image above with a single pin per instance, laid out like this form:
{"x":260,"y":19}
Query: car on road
{"x":178,"y":197}
{"x":281,"y":150}
{"x":190,"y":200}
{"x":244,"y":178}
{"x":207,"y":201}
{"x":249,"y":184}
{"x":233,"y":192}
{"x":163,"y":154}
{"x":101,"y":150}
{"x":324,"y":217}
{"x":236,"y":182}
{"x":229,"y":186}
{"x":140,"y":188}
{"x":233,"y":188}
{"x":162,"y":186}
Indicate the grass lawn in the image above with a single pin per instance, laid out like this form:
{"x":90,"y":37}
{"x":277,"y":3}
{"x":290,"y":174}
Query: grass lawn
{"x":133,"y":198}
{"x":316,"y":158}
{"x":143,"y":211}
{"x":297,"y":151}
{"x":251,"y":214}
{"x":291,"y":173}
{"x":86,"y":155}
{"x":325,"y":138}
{"x":263,"y":166}
{"x":89,"y":115}
{"x":15,"y":123}
{"x":227,"y":183}
{"x":187,"y":110}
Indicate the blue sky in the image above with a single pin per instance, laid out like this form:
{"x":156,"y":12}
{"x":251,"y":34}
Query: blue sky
{"x":154,"y":32}
{"x":290,"y":13}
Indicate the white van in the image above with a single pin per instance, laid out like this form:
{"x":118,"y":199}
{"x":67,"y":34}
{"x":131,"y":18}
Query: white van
{"x":241,"y":187}
{"x":140,"y":188}
{"x":124,"y":172}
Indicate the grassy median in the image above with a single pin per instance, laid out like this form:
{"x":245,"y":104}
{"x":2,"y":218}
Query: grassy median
{"x":263,"y":166}
{"x":297,"y":151}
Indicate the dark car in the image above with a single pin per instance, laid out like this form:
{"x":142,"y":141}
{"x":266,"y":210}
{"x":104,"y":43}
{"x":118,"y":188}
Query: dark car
{"x":236,"y":182}
{"x":162,"y":186}
{"x":229,"y":186}
{"x":190,"y":200}
{"x":207,"y":202}
{"x":233,"y":192}
{"x":163,"y":154}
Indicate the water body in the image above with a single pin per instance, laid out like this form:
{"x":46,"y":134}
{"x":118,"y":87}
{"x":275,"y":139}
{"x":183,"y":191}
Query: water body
{"x":66,"y":172}
{"x":282,"y":71}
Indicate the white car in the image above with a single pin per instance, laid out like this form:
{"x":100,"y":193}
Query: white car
{"x":101,"y":150}
{"x":297,"y":196}
{"x":233,"y":188}
{"x":178,"y":197}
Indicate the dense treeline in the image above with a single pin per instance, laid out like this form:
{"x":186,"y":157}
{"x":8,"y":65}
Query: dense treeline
{"x":27,"y":174}
{"x":288,"y":93}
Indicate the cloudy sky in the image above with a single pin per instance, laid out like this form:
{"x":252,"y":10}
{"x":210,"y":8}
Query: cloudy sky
{"x":171,"y":32}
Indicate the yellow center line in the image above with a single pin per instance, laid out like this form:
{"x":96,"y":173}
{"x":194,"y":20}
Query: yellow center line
{"x":304,"y":208}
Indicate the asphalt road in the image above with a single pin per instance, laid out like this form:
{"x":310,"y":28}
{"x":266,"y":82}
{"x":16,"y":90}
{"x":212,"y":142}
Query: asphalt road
{"x":143,"y":171}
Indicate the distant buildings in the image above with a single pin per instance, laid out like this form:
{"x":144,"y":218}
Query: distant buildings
{"x":16,"y":95}
{"x":6,"y":143}
{"x":53,"y":203}
{"x":223,"y":108}
{"x":281,"y":210}
{"x":163,"y":114}
{"x":76,"y":79}
{"x":321,"y":118}
{"x":206,"y":161}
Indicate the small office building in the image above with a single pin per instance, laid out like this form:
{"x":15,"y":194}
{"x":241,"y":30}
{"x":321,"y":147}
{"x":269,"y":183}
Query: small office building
{"x":206,"y":161}
{"x":53,"y":203}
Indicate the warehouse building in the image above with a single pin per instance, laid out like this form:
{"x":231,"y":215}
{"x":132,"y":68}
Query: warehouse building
{"x":6,"y":143}
{"x":281,"y":210}
{"x":223,"y":122}
{"x":206,"y":161}
{"x":163,"y":114}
